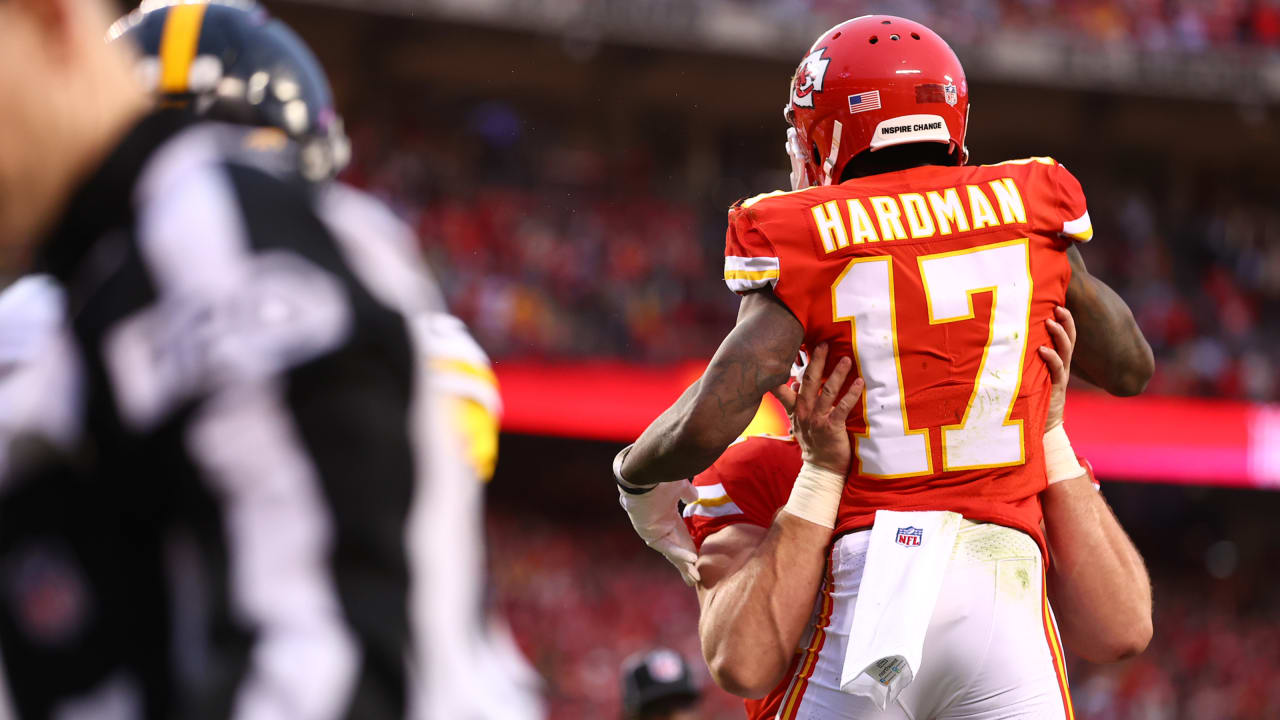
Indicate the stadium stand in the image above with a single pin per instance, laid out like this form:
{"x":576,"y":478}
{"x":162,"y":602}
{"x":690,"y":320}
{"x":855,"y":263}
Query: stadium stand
{"x":567,"y":165}
{"x":564,"y":251}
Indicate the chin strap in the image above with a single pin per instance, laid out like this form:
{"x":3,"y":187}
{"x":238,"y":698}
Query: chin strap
{"x":799,"y":157}
{"x":828,"y":166}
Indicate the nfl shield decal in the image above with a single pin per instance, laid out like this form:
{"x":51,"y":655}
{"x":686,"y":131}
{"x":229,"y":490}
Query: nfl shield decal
{"x":910,"y":536}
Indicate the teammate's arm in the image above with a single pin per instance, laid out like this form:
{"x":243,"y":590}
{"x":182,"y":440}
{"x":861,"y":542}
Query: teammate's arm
{"x":754,"y":358}
{"x":1098,"y":584}
{"x":1110,"y":349}
{"x":756,"y":596}
{"x":758,"y":586}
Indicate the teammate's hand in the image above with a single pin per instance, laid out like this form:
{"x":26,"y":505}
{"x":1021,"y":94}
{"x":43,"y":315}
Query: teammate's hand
{"x":1058,"y":359}
{"x":656,"y":518}
{"x":818,"y":416}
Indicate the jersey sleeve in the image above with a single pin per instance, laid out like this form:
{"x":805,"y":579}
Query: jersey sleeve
{"x":750,"y":260}
{"x":1071,"y":207}
{"x":463,"y":378}
{"x":748,"y":484}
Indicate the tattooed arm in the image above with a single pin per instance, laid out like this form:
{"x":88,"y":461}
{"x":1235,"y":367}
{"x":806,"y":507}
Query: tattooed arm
{"x":753,"y":359}
{"x":1110,"y":349}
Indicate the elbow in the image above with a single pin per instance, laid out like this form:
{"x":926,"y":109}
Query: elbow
{"x":1129,"y":385}
{"x":747,"y":675}
{"x":1122,"y":645}
{"x":1134,"y":377}
{"x":1135,"y":641}
{"x":1134,"y":382}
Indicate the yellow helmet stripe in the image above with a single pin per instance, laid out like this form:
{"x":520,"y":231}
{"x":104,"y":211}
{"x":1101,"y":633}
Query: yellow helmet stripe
{"x":178,"y":45}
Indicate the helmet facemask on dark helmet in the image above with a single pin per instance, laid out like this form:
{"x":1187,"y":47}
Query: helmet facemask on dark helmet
{"x":872,"y":83}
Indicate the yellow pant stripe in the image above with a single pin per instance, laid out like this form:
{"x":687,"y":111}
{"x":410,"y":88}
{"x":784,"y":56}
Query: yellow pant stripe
{"x":1055,"y":651}
{"x":791,"y":704}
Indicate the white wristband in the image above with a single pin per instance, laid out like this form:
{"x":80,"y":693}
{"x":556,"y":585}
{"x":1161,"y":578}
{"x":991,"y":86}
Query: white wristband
{"x":816,"y":495}
{"x":1060,"y":461}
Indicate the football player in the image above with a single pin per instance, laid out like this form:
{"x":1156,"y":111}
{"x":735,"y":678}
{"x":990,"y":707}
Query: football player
{"x":228,"y":60}
{"x":932,"y":280}
{"x":761,"y":570}
{"x":473,"y":667}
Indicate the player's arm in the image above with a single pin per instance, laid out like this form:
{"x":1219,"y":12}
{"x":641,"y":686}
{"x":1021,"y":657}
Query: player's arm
{"x":1098,"y":584}
{"x":756,"y":596}
{"x":754,"y":358}
{"x":1110,"y":350}
{"x":758,"y":586}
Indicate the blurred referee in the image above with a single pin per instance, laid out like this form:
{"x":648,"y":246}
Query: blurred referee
{"x":238,"y":391}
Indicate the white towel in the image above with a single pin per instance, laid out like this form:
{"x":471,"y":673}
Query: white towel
{"x":906,"y":560}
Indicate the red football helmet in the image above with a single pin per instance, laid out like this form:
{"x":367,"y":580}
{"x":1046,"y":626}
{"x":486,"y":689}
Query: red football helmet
{"x":872,"y":82}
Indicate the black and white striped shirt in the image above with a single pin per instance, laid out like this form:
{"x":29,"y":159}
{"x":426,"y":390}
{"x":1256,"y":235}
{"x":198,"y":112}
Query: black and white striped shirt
{"x":249,"y":423}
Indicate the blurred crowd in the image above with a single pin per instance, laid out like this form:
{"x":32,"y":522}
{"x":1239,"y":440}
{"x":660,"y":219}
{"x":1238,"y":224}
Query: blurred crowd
{"x":577,"y":623}
{"x":1203,"y":662}
{"x":562,"y":249}
{"x":1188,"y":25}
{"x":551,"y":250}
{"x":1201,"y":270}
{"x":1209,"y":659}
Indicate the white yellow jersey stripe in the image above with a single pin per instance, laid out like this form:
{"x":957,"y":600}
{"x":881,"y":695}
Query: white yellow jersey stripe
{"x":713,"y":501}
{"x":1080,"y":229}
{"x":743,"y":274}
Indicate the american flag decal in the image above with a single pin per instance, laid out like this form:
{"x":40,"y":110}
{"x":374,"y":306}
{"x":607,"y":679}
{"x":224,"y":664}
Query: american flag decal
{"x":863,"y":102}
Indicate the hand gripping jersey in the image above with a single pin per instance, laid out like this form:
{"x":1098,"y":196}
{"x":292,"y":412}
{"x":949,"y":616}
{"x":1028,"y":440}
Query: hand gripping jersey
{"x":937,"y":281}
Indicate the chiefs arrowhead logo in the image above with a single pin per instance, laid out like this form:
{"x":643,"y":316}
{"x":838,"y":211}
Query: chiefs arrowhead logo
{"x":809,"y":77}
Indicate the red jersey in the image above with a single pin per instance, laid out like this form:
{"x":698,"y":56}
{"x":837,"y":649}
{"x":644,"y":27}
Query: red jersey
{"x":937,"y":282}
{"x":749,"y":483}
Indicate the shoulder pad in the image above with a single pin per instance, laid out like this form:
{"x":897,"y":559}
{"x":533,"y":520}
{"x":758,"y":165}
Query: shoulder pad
{"x":776,"y":193}
{"x":1042,"y":159}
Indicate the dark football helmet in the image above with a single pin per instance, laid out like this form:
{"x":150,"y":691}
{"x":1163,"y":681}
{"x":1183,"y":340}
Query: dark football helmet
{"x":229,"y":60}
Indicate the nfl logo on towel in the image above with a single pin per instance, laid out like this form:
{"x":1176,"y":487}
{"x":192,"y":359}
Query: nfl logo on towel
{"x":910,"y":536}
